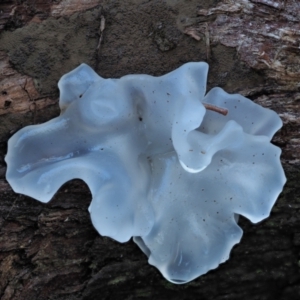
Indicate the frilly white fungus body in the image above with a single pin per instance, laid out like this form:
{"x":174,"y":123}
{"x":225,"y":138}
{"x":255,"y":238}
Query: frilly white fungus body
{"x":160,"y":166}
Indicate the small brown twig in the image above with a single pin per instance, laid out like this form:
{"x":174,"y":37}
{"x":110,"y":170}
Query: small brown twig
{"x":220,"y":110}
{"x":101,"y":29}
{"x":193,"y":33}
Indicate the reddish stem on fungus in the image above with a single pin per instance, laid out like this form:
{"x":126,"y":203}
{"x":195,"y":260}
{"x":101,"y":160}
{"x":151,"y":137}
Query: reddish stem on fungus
{"x":220,"y":110}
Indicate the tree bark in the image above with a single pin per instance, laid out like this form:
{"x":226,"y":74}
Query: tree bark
{"x":52,"y":251}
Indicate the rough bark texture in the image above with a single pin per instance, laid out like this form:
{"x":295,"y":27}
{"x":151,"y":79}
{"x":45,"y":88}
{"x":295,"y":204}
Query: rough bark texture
{"x":52,"y":251}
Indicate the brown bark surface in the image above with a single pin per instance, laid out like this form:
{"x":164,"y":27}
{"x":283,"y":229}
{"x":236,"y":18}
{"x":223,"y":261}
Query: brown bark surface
{"x":51,"y":251}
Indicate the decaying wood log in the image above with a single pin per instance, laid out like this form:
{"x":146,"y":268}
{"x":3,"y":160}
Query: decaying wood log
{"x":51,"y":251}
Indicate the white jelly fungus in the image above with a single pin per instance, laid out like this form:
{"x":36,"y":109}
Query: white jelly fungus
{"x":165,"y":163}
